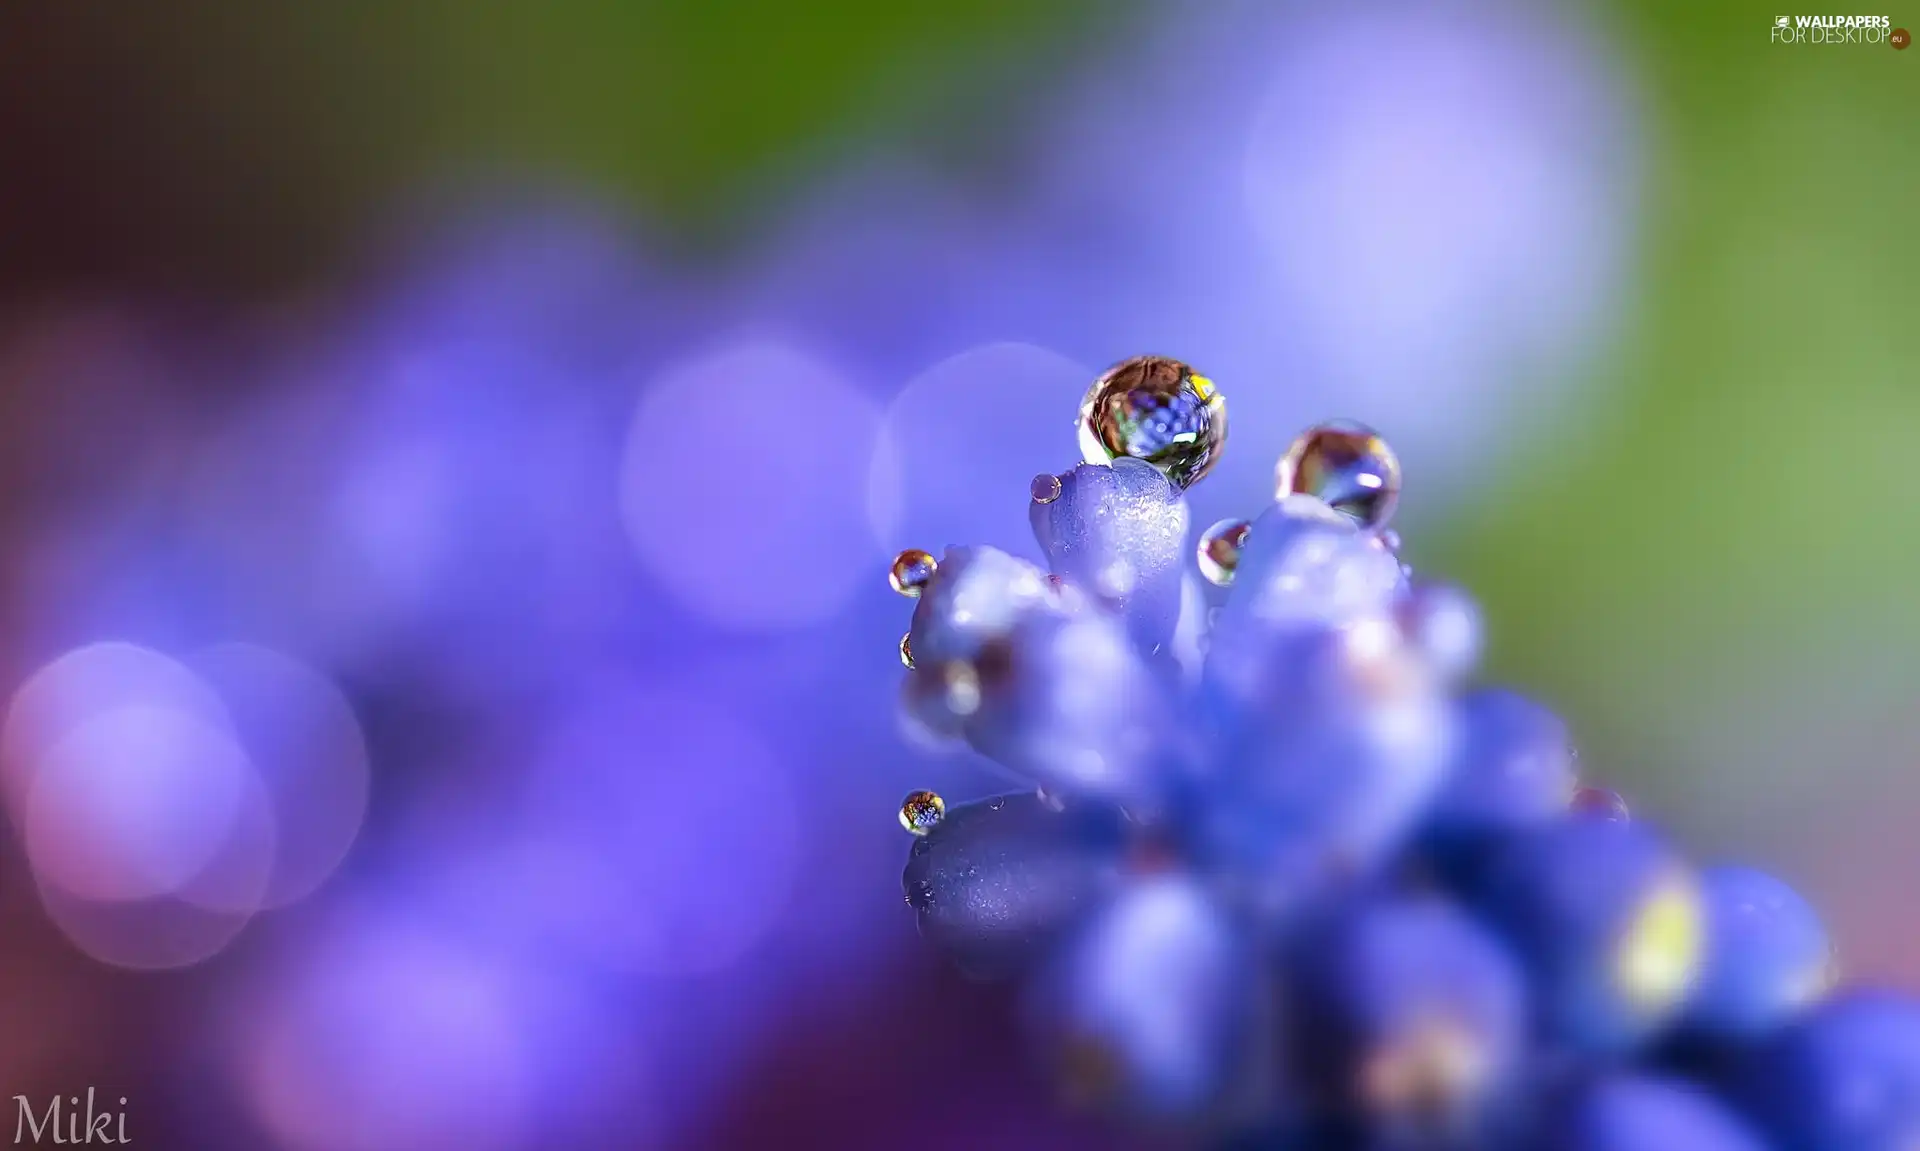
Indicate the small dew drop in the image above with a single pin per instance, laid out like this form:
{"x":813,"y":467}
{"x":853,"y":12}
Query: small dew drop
{"x":1219,"y":550}
{"x":1155,"y":409}
{"x":1599,"y":803}
{"x":1389,"y":539}
{"x":1345,"y":464}
{"x":922,"y":811}
{"x":912,"y":571}
{"x":1045,"y":488}
{"x":1049,"y":800}
{"x":906,"y":649}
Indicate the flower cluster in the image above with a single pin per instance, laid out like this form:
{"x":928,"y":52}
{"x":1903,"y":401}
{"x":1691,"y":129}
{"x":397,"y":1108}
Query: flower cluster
{"x":1284,"y":875}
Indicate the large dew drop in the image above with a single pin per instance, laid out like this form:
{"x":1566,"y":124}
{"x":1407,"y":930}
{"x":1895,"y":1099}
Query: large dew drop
{"x":1345,"y":464}
{"x":1155,"y":409}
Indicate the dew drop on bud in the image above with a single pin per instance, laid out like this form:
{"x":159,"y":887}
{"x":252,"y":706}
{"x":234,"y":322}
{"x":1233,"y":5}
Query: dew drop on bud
{"x":906,"y":649}
{"x":1599,"y":803}
{"x":1044,"y":488}
{"x":912,"y":571}
{"x":1345,"y":464}
{"x":1155,"y":409}
{"x":1219,"y":550}
{"x":921,"y":811}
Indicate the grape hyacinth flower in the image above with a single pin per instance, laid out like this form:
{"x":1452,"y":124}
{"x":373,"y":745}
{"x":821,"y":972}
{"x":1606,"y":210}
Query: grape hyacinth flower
{"x":1284,"y":876}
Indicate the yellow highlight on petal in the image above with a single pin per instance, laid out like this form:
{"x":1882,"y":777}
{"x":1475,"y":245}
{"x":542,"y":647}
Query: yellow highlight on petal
{"x":1659,"y":954}
{"x":1203,"y":386}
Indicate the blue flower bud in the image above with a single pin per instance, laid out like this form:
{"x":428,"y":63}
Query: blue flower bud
{"x":1067,"y":703}
{"x":998,"y":879}
{"x":1608,"y":919}
{"x":1118,"y":532}
{"x":1304,"y":567}
{"x":1512,"y":772}
{"x":1844,"y":1077}
{"x":1637,"y":1113}
{"x":1768,"y":956}
{"x":1154,"y":1006}
{"x":1406,"y":1014}
{"x":977,"y":595}
{"x":1320,"y":789}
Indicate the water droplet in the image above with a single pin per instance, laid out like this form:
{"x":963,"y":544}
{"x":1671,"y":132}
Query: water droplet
{"x":1389,"y":539}
{"x":1045,"y":488}
{"x":1345,"y":464}
{"x":912,"y":571}
{"x":922,"y":811}
{"x":1599,"y":803}
{"x":906,"y":649}
{"x":1049,"y":800}
{"x":1155,"y":409}
{"x":1219,"y":550}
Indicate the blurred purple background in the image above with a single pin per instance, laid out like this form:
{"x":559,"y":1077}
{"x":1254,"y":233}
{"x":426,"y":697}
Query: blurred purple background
{"x":451,"y":671}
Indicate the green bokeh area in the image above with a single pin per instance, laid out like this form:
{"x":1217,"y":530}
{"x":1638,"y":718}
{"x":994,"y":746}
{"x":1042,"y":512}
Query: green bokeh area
{"x":1720,"y":584}
{"x":227,"y":148}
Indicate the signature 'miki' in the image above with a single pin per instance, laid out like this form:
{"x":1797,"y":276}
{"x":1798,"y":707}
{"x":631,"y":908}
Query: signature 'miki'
{"x":65,"y":1121}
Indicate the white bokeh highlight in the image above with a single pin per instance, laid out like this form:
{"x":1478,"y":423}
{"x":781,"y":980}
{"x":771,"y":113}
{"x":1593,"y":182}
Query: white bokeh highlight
{"x":136,"y":802}
{"x":309,"y":753}
{"x":742,"y":484}
{"x":964,"y":438}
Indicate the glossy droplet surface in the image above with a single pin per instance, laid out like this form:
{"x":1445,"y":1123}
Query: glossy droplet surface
{"x":1346,"y":464}
{"x":906,"y":649}
{"x":922,"y":811}
{"x":1045,"y":488}
{"x":1219,"y":550}
{"x":1155,"y":409}
{"x":911,"y":572}
{"x":1599,"y":803}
